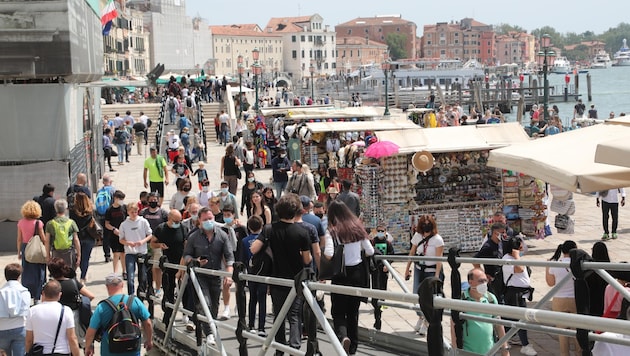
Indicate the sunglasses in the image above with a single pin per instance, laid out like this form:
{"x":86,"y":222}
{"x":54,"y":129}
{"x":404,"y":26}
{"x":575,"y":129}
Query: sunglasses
{"x":380,"y":230}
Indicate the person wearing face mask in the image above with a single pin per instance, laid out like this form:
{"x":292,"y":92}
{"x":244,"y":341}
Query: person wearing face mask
{"x":183,"y":189}
{"x":492,"y":249}
{"x":155,"y":215}
{"x":280,"y":165}
{"x":212,"y":248}
{"x":170,"y":237}
{"x":517,"y":282}
{"x":319,"y":211}
{"x":226,"y":198}
{"x":115,"y":215}
{"x":425,"y":242}
{"x":191,"y":223}
{"x":479,"y":336}
{"x":382,"y":246}
{"x":248,"y":188}
{"x":236,"y":233}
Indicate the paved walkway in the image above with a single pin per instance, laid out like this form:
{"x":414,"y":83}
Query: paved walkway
{"x":128,"y":178}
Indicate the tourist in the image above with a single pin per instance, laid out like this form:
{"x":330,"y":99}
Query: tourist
{"x":250,"y":186}
{"x":83,"y":215}
{"x":15,"y":300}
{"x":257,"y":291}
{"x":217,"y":128}
{"x":249,"y":158}
{"x":492,"y":249}
{"x":62,"y":234}
{"x":104,"y":203}
{"x":155,"y":169}
{"x":107,"y":147}
{"x":350,"y":198}
{"x":226,"y":197}
{"x":224,"y":120}
{"x":425,"y":242}
{"x":155,"y":215}
{"x":270,"y":201}
{"x":183,"y":190}
{"x":33,"y":274}
{"x":236,"y":232}
{"x":230,"y":169}
{"x":382,"y":246}
{"x":610,"y":207}
{"x":135,"y":233}
{"x":345,"y":227}
{"x":280,"y":165}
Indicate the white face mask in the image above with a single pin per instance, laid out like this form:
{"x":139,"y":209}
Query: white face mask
{"x":482,"y":288}
{"x":205,"y":188}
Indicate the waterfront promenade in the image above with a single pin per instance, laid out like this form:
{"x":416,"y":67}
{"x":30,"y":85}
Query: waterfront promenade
{"x":400,"y":322}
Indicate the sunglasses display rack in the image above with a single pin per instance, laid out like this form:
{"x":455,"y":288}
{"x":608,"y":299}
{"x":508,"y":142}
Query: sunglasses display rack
{"x":395,"y":180}
{"x":396,"y":218}
{"x":370,"y":179}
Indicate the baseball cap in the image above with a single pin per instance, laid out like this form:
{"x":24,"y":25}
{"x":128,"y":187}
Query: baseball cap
{"x":113,"y":278}
{"x":306,"y":201}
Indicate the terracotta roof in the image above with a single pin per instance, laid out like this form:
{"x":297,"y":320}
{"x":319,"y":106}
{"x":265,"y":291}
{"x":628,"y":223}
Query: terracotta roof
{"x":376,"y":20}
{"x":356,"y":40}
{"x":240,"y":30}
{"x":287,"y":24}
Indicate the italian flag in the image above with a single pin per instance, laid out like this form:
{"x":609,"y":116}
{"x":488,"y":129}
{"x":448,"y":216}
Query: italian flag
{"x":108,"y":14}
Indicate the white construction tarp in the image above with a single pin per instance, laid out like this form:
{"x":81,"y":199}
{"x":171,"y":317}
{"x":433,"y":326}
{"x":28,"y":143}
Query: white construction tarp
{"x":567,"y":160}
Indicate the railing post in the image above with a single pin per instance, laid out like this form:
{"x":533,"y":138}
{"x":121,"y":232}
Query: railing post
{"x":241,"y":307}
{"x":204,"y":306}
{"x":279,"y":320}
{"x":310,"y":321}
{"x":396,"y":276}
{"x":321,"y":318}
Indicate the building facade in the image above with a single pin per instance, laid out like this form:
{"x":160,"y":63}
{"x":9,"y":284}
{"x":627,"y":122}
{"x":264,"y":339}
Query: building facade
{"x":126,"y":47}
{"x":515,"y":47}
{"x":230,"y":41}
{"x":464,"y":40}
{"x":356,"y":52}
{"x":307,"y":41}
{"x":378,"y":27}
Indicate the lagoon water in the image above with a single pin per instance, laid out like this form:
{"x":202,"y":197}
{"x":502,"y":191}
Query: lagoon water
{"x":610,"y":91}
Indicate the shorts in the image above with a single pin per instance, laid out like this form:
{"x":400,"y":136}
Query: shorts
{"x":157,"y":187}
{"x":156,"y":253}
{"x":116,"y":245}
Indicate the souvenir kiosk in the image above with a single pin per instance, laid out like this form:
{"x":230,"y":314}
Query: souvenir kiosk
{"x":443,"y":172}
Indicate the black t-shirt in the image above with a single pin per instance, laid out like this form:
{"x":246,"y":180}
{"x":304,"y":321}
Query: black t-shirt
{"x":82,"y":222}
{"x":173,"y":238}
{"x":139,"y":128}
{"x":70,"y":293}
{"x":287,"y":242}
{"x":489,"y":250}
{"x":116,"y":215}
{"x":155,"y":218}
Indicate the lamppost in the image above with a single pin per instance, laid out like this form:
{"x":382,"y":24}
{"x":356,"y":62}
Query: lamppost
{"x":546,"y":57}
{"x":256,"y":70}
{"x":241,"y":69}
{"x":385,"y":66}
{"x":311,"y":69}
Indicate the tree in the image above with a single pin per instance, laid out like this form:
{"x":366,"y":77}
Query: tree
{"x":504,"y":29}
{"x":396,"y":43}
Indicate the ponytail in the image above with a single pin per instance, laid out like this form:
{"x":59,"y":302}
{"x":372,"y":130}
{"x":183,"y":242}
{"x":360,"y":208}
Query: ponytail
{"x":556,"y":255}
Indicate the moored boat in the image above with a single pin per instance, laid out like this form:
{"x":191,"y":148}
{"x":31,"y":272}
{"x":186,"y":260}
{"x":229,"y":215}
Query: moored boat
{"x":601,"y":61}
{"x":561,"y":66}
{"x":622,"y":57}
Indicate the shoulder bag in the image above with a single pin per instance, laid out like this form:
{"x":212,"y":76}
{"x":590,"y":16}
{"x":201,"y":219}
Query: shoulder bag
{"x":38,"y":349}
{"x":35,"y":251}
{"x":336,"y":266}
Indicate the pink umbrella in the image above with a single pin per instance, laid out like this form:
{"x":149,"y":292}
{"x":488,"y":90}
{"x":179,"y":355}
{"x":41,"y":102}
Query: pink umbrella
{"x":358,"y":143}
{"x":381,"y":149}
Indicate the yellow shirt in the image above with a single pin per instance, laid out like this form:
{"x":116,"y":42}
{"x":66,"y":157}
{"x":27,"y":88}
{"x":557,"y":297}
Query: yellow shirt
{"x":155,"y":174}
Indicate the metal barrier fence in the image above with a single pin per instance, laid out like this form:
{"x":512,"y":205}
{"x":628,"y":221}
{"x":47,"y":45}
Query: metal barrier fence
{"x":304,"y":285}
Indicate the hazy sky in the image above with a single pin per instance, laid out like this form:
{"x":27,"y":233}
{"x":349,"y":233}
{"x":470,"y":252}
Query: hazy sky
{"x":565,"y":16}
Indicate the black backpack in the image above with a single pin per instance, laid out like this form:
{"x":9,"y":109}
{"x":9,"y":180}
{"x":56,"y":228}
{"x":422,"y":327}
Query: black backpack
{"x":189,"y":102}
{"x":171,"y":103}
{"x":261,"y":263}
{"x":119,"y":137}
{"x":123,"y":331}
{"x":149,"y":122}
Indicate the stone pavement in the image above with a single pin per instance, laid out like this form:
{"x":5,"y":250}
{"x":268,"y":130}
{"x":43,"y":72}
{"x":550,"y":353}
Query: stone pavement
{"x":128,"y":178}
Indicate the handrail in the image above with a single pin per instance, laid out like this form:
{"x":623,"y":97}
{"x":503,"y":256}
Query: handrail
{"x":160,"y":125}
{"x":200,"y":121}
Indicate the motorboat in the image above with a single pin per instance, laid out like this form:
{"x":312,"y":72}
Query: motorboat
{"x":601,"y":61}
{"x":561,"y":65}
{"x":622,"y":56}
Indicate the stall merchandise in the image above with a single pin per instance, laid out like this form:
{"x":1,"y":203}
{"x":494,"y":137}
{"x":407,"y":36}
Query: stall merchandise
{"x":370,"y":179}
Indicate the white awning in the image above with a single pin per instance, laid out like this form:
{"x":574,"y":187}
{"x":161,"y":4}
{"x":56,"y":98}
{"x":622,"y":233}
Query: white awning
{"x":376,"y":125}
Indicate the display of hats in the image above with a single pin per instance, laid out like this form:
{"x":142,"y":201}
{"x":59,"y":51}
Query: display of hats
{"x":422,"y":161}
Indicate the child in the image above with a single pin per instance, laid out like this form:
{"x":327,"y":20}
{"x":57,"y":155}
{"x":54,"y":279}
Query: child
{"x":382,"y":246}
{"x":202,"y":175}
{"x":257,"y":291}
{"x":143,"y":203}
{"x":205,"y":194}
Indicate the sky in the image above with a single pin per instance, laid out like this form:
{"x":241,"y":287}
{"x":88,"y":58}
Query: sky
{"x":565,"y":16}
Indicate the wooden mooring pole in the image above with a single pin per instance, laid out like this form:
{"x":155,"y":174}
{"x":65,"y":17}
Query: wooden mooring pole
{"x":588,"y":87}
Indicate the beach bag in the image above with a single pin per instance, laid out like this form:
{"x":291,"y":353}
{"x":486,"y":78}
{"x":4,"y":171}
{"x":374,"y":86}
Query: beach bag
{"x":336,"y":266}
{"x":561,"y":222}
{"x":564,"y":207}
{"x":35,"y":251}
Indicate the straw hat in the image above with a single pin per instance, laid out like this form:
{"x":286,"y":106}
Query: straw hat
{"x":422,"y":161}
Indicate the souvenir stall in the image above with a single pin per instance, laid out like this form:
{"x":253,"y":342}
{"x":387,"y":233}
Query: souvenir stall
{"x":285,"y":127}
{"x":443,"y":172}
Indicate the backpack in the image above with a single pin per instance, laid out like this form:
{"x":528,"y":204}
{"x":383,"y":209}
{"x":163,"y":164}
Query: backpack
{"x":70,"y":198}
{"x":189,"y":102}
{"x":123,"y":331}
{"x":171,"y":103}
{"x":261,"y":263}
{"x":149,"y":122}
{"x":62,"y":240}
{"x":103,"y":201}
{"x":183,"y":122}
{"x":119,"y":137}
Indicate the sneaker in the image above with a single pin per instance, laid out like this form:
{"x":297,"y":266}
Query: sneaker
{"x":346,"y":344}
{"x":226,"y":313}
{"x":614,"y":235}
{"x":377,"y":325}
{"x":210,"y":340}
{"x":190,"y":327}
{"x":158,"y":293}
{"x":528,"y":350}
{"x":262,"y":333}
{"x":418,"y":325}
{"x":605,"y":237}
{"x":124,"y":276}
{"x":423,"y":329}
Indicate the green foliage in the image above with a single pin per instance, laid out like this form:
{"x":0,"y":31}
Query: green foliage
{"x":504,"y":29}
{"x":396,"y":43}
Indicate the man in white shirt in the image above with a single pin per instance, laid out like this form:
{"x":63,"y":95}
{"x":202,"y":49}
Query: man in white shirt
{"x":42,"y":324}
{"x":610,"y":206}
{"x":15,"y":300}
{"x":145,"y":120}
{"x":134,"y":233}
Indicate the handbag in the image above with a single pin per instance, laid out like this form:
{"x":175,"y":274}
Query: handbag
{"x":561,"y":222}
{"x":336,"y":266}
{"x":85,"y":307}
{"x":35,"y":251}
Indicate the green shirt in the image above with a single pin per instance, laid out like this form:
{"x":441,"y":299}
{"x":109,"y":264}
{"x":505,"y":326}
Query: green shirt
{"x":155,"y":174}
{"x":478,"y":336}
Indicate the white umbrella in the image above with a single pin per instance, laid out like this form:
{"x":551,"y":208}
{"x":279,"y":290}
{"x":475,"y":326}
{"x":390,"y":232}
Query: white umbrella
{"x":567,"y":160}
{"x":616,"y":152}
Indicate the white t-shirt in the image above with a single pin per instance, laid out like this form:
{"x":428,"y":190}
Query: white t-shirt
{"x":428,"y":248}
{"x":568,"y":290}
{"x":133,"y":231}
{"x":144,"y":119}
{"x":174,"y":142}
{"x":612,"y":195}
{"x":351,"y":251}
{"x":42,"y":320}
{"x":518,"y":279}
{"x":605,"y":349}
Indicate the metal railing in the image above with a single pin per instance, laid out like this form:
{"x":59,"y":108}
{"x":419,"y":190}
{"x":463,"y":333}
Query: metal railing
{"x":304,"y":285}
{"x":199,"y":121}
{"x":160,"y":125}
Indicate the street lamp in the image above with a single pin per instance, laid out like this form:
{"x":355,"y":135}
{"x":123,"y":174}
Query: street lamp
{"x":385,"y":66}
{"x":241,"y":69}
{"x":546,"y":57}
{"x":256,"y":70}
{"x":311,"y":70}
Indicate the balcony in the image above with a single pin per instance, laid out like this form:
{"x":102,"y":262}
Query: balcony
{"x":319,"y":42}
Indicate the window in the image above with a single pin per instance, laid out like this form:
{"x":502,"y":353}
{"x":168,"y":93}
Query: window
{"x":293,"y":38}
{"x":310,"y":38}
{"x":334,"y":65}
{"x":367,"y":31}
{"x":302,"y":53}
{"x":429,"y":43}
{"x":325,"y":65}
{"x":302,"y":38}
{"x":456,"y":41}
{"x":397,"y":29}
{"x":380,"y":30}
{"x":294,"y":54}
{"x":349,"y":31}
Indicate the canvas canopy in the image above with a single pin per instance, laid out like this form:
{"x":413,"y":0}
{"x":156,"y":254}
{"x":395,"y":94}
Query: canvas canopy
{"x":567,"y":160}
{"x":321,"y":112}
{"x":615,"y":152}
{"x":455,"y":138}
{"x":376,"y":125}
